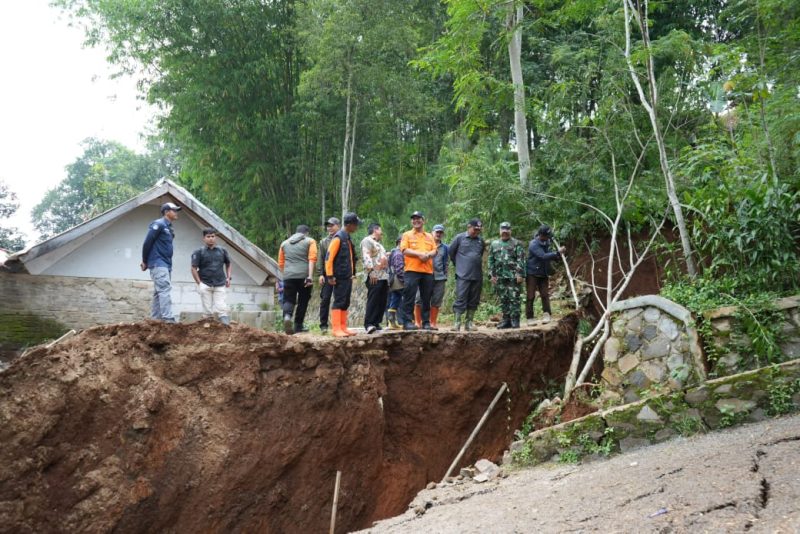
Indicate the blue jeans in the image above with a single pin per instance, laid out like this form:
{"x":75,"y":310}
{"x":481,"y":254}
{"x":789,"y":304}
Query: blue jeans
{"x":162,"y":300}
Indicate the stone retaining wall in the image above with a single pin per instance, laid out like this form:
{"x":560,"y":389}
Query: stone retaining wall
{"x":653,"y":343}
{"x":83,"y":302}
{"x":728,"y":401}
{"x":732,"y":342}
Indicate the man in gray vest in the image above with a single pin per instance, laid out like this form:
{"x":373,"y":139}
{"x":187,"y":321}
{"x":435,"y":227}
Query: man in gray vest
{"x":296,"y":259}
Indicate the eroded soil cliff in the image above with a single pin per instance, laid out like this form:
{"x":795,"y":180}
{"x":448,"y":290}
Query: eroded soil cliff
{"x":202,"y":427}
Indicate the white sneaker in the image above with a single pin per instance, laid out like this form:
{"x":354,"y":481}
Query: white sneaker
{"x":531,"y":322}
{"x":545,"y":318}
{"x":371,"y":329}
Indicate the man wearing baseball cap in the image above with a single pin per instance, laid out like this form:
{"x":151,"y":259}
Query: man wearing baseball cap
{"x":332,"y":225}
{"x":340,"y":269}
{"x":507,"y":272}
{"x":157,"y":256}
{"x":419,"y":249}
{"x":440,"y":262}
{"x":539,"y":268}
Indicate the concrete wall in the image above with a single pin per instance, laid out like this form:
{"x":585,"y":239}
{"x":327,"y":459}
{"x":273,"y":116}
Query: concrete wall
{"x":84,"y":302}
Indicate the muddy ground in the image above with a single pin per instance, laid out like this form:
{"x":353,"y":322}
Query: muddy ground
{"x":150,"y":427}
{"x":744,"y":479}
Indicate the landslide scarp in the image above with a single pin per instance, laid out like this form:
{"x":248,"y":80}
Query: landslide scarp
{"x":153,"y":427}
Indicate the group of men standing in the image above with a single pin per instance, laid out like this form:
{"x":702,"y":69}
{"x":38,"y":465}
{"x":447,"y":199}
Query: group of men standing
{"x":210,"y":267}
{"x":412,"y":277}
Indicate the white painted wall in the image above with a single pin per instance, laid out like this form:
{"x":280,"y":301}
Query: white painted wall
{"x":114,"y":251}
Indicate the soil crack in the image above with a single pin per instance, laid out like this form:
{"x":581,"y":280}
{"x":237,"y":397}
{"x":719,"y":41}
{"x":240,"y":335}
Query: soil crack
{"x":674,"y":471}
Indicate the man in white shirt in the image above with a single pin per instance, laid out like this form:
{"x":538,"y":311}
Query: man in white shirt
{"x":375,"y":261}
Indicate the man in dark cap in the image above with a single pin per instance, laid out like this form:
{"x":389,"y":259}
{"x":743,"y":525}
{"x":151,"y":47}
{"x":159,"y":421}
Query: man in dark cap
{"x":332,"y":226}
{"x":539,"y":269}
{"x":419,"y":249}
{"x":340,"y":269}
{"x":297,"y":258}
{"x":157,"y":256}
{"x":507,"y":272}
{"x":466,"y":253}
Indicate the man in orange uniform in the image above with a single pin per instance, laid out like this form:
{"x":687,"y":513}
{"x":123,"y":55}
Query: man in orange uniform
{"x":340,"y":268}
{"x":418,"y":248}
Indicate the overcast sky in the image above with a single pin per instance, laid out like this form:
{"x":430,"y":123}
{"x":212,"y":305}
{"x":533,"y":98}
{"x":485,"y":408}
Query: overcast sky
{"x":54,"y":94}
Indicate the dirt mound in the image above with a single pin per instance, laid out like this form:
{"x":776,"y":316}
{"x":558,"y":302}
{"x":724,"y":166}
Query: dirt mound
{"x":153,"y":427}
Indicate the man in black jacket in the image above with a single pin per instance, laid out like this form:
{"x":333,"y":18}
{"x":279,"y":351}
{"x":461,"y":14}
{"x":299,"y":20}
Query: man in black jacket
{"x":539,"y":269}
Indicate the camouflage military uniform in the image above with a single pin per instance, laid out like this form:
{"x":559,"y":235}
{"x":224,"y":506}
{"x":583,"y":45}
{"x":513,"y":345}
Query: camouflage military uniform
{"x":506,"y":263}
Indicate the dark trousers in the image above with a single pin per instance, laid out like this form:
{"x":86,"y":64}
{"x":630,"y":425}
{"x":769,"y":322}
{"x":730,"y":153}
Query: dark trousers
{"x":377,"y":294}
{"x":396,"y":303}
{"x":532,"y":284}
{"x":341,"y":294}
{"x":325,"y":294}
{"x":295,"y":292}
{"x":468,"y":295}
{"x":422,"y":282}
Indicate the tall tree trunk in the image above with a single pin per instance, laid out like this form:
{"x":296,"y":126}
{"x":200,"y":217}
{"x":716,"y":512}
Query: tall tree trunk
{"x":761,"y":99}
{"x":514,"y":24}
{"x":650,"y":105}
{"x":345,"y":176}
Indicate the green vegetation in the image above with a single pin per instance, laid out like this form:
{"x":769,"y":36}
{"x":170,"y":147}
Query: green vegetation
{"x":20,"y":330}
{"x":285,"y":112}
{"x":780,"y":392}
{"x":10,"y":239}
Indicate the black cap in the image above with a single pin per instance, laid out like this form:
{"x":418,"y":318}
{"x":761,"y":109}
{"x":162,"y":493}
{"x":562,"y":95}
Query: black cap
{"x":505,"y":226}
{"x":545,"y":231}
{"x":475,"y":223}
{"x":351,"y":218}
{"x":332,"y":221}
{"x":169,"y":206}
{"x":417,"y":214}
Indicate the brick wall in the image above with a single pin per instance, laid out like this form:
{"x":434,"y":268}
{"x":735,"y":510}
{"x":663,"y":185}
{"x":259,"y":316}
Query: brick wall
{"x":84,"y":302}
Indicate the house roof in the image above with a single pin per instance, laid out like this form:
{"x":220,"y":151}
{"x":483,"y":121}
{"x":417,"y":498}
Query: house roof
{"x":164,"y":188}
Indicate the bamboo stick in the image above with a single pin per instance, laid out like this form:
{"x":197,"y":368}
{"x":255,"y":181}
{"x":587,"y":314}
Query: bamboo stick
{"x":335,"y":501}
{"x":475,"y":431}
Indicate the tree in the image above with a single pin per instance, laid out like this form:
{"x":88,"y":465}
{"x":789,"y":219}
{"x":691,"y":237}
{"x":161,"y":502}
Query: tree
{"x":650,"y":102}
{"x":10,"y":239}
{"x":514,"y":21}
{"x":105,"y":175}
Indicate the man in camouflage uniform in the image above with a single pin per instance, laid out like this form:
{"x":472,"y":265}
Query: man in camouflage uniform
{"x":507,"y":271}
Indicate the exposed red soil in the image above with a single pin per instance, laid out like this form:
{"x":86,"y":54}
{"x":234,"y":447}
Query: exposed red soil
{"x":150,"y":427}
{"x":649,"y":276}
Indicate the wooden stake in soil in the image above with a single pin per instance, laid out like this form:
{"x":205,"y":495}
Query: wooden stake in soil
{"x":335,"y":501}
{"x":62,"y":338}
{"x":475,"y":432}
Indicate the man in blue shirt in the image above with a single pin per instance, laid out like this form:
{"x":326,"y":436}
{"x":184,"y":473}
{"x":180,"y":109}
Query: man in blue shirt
{"x":157,"y":256}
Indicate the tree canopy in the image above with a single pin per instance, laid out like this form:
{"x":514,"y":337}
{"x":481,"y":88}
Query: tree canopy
{"x":285,"y":112}
{"x":105,"y":175}
{"x":10,"y":238}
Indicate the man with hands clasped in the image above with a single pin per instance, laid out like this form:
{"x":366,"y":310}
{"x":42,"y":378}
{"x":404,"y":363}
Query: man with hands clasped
{"x":211,"y":270}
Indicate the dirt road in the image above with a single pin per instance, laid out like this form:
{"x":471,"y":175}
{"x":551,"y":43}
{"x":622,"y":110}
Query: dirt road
{"x":745,"y":479}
